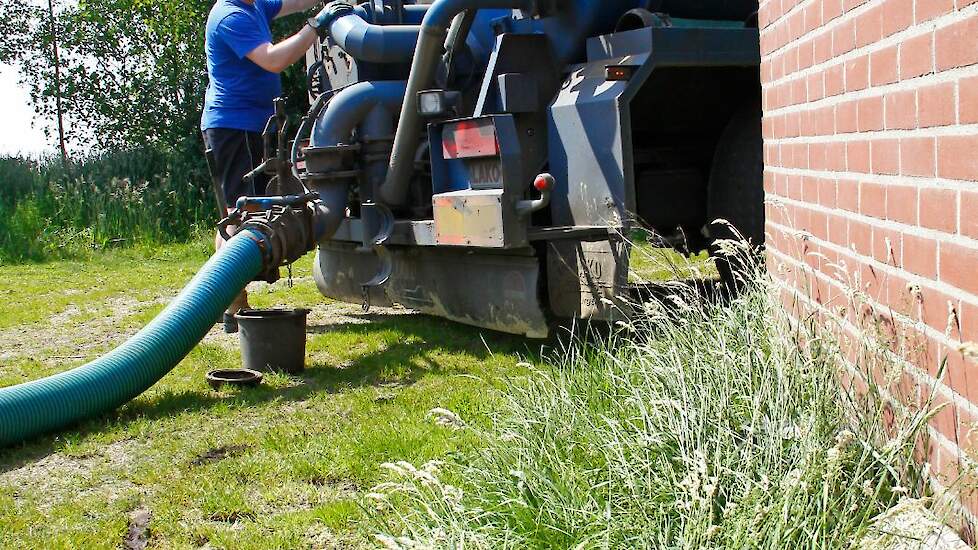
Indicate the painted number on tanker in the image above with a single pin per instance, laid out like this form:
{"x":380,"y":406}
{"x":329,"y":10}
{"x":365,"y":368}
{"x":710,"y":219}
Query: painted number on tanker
{"x":485,"y":174}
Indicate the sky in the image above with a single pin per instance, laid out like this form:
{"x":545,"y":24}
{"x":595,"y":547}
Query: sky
{"x":17,"y":134}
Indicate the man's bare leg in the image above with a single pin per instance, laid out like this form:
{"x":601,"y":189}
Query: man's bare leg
{"x":241,"y":301}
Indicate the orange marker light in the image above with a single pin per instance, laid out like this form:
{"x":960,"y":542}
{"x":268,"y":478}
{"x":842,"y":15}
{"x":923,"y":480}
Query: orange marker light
{"x":617,"y":73}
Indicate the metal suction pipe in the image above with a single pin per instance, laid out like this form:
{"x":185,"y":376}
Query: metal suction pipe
{"x":347,"y":110}
{"x":374,"y":43}
{"x":431,"y":44}
{"x":351,"y":106}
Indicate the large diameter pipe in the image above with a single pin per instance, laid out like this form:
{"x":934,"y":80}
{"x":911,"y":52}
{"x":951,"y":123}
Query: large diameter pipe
{"x":346,"y":111}
{"x":34,"y":408}
{"x":348,"y":108}
{"x":431,"y":43}
{"x":374,"y":43}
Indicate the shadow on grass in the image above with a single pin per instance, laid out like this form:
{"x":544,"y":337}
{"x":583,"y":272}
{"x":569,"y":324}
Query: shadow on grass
{"x":412,"y":342}
{"x":408,"y":356}
{"x":707,"y":290}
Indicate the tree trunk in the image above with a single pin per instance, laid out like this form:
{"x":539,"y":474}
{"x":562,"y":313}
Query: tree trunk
{"x":57,"y":85}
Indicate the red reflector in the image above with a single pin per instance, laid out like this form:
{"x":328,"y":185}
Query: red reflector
{"x":470,"y":139}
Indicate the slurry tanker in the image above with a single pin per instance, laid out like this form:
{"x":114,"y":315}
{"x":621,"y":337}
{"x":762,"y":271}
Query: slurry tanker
{"x":480,"y":160}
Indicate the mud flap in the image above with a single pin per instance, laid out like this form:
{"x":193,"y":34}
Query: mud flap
{"x":587,"y":279}
{"x":494,"y":291}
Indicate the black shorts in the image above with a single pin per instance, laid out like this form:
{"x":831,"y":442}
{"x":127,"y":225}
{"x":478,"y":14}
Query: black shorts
{"x":236,"y":152}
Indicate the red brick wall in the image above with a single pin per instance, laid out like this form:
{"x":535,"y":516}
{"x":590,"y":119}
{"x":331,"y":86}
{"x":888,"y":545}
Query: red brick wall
{"x":871,"y":146}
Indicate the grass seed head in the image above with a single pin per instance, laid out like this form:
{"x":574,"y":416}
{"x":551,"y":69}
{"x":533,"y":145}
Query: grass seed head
{"x":969,"y":349}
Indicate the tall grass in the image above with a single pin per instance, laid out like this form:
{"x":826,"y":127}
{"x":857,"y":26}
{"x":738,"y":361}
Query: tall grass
{"x":699,"y":424}
{"x":134,"y":197}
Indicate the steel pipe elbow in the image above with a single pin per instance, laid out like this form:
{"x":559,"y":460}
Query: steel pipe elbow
{"x":375,"y":43}
{"x":350,"y":107}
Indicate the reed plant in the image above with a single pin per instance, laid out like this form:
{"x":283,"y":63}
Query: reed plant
{"x":138,"y":197}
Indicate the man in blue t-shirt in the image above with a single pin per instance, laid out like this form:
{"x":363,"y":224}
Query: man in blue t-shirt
{"x":243,"y":66}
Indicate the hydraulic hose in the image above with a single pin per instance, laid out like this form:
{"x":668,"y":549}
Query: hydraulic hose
{"x":34,"y":408}
{"x":304,"y":126}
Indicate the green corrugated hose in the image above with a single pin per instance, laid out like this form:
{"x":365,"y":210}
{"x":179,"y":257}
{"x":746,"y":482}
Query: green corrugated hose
{"x":34,"y":408}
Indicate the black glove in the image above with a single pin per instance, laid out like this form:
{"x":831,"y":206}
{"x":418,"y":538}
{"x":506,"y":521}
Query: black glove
{"x":333,"y":11}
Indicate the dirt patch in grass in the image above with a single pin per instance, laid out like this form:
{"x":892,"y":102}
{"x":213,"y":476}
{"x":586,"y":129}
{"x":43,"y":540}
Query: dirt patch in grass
{"x":58,"y":465}
{"x":75,"y":333}
{"x":58,"y":475}
{"x":81,"y":334}
{"x":137,"y":534}
{"x":218,"y":453}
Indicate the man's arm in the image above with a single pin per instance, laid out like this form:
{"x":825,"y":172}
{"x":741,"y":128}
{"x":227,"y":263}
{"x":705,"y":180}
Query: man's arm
{"x":295,"y":6}
{"x":275,"y":58}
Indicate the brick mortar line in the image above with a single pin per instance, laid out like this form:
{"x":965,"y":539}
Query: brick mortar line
{"x":911,"y":31}
{"x":799,"y":6}
{"x":896,"y":39}
{"x":956,"y":504}
{"x":952,"y":75}
{"x":890,"y":180}
{"x":955,"y":449}
{"x":916,"y":372}
{"x":912,"y":278}
{"x":919,"y":376}
{"x":951,"y":130}
{"x":924,"y":233}
{"x":921,"y":326}
{"x":919,"y":183}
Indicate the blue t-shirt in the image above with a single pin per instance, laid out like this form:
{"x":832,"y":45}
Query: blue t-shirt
{"x":240,"y":94}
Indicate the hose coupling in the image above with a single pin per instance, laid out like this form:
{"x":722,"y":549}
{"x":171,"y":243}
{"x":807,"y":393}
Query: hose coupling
{"x":286,"y":223}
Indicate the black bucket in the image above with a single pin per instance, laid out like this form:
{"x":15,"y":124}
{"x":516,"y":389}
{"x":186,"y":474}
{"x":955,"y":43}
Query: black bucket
{"x":273,"y":339}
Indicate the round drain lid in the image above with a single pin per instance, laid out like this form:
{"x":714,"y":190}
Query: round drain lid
{"x":233,"y":377}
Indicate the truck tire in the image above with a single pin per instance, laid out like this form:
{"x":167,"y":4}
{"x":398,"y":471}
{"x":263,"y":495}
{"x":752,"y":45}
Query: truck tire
{"x":736,"y":194}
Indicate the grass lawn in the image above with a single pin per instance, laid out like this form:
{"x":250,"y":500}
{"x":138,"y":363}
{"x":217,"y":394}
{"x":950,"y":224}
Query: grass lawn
{"x":700,"y":423}
{"x":284,"y":465}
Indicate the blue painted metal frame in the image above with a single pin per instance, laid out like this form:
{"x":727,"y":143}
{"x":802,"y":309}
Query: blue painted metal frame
{"x":590,"y":120}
